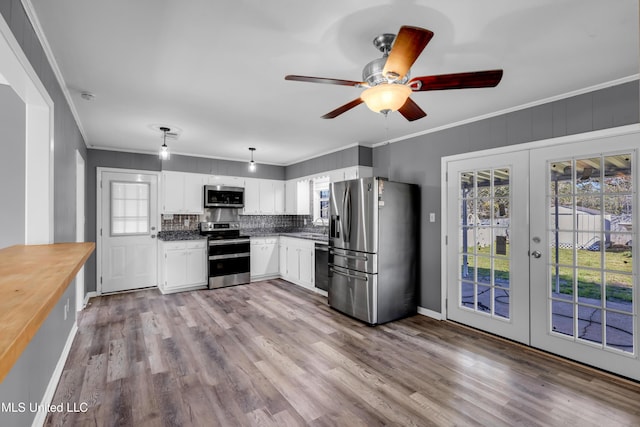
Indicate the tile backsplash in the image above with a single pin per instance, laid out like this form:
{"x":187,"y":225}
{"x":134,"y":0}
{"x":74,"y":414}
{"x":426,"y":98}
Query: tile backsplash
{"x":270,"y":223}
{"x":180,"y":222}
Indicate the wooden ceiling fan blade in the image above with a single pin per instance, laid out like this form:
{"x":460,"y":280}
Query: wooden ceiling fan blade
{"x":323,"y":80}
{"x":406,"y":48}
{"x":411,"y":111}
{"x":474,"y":79}
{"x":343,"y":109}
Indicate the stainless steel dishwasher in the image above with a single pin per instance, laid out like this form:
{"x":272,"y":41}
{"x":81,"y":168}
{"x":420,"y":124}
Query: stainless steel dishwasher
{"x":322,"y":266}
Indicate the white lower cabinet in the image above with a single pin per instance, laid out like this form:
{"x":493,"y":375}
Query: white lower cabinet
{"x":183,"y":265}
{"x":297,"y":261}
{"x":264,"y":258}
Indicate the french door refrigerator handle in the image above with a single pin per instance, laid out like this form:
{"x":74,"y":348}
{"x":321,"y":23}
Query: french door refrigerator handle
{"x":359,"y":257}
{"x":346,"y":213}
{"x":352,"y":276}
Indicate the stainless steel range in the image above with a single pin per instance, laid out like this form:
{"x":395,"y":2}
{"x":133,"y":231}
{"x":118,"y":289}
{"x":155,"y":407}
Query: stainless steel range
{"x":229,"y":254}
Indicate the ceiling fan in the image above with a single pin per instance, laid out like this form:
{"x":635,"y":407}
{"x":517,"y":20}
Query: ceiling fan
{"x":388,"y":81}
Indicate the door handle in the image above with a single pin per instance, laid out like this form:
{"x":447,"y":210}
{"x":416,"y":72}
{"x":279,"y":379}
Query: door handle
{"x":351,"y":276}
{"x":536,"y":254}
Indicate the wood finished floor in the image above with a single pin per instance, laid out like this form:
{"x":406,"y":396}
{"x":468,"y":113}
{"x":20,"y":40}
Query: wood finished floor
{"x":274,"y":354}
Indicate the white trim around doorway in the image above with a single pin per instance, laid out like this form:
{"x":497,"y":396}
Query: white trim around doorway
{"x":545,"y":143}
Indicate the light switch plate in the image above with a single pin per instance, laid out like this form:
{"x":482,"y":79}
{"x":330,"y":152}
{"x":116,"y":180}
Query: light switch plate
{"x":432,"y":217}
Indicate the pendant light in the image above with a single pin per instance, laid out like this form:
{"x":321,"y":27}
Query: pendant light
{"x":164,"y":150}
{"x":252,"y":164}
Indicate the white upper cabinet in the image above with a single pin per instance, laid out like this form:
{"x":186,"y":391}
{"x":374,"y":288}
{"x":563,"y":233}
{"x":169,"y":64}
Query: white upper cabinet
{"x":227,"y":181}
{"x":279,"y":196}
{"x":297,"y":197}
{"x":264,"y":196}
{"x":182,"y":193}
{"x":353,"y":172}
{"x":252,"y":196}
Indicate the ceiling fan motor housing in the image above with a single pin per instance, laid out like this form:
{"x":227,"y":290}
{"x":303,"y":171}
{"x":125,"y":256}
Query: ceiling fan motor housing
{"x":372,"y":72}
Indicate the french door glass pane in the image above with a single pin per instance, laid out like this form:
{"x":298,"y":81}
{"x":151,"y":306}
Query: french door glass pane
{"x":484,"y":213}
{"x":589,"y":226}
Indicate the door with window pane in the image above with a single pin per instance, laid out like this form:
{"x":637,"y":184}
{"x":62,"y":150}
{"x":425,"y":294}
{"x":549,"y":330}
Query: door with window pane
{"x":487,"y":262}
{"x":128,"y":228}
{"x":583,"y":276}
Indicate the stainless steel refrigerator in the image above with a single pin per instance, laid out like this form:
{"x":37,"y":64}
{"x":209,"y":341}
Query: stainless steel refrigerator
{"x":373,"y":249}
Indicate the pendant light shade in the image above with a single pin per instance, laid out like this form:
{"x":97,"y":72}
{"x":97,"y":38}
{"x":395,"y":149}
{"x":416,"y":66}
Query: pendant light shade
{"x":252,"y":164}
{"x":164,"y":150}
{"x":386,"y":97}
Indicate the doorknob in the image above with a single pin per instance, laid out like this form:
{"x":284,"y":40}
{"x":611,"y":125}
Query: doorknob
{"x":536,"y":254}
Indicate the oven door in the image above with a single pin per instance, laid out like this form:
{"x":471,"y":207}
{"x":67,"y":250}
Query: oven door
{"x":229,"y":262}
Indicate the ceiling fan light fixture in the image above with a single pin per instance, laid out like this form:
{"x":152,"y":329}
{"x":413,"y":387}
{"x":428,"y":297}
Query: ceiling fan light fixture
{"x":386,"y":97}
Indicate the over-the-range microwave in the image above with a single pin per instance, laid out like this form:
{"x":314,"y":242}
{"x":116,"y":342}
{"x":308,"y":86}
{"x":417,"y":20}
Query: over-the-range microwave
{"x":219,"y":196}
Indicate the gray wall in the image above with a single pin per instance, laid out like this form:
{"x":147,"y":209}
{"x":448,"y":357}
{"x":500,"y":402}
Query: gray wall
{"x":12,"y":168}
{"x":352,"y":156}
{"x":221,"y":167}
{"x":417,"y":160}
{"x":31,"y":374}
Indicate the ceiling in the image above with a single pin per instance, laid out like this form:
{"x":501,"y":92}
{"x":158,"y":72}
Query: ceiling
{"x":214,"y":70}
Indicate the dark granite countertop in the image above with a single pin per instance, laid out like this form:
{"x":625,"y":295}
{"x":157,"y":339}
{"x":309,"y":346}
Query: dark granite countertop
{"x":317,"y":237}
{"x":169,"y":236}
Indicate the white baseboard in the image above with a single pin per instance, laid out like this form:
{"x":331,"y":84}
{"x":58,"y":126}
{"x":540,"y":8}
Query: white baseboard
{"x":41,"y":416}
{"x":430,"y":313}
{"x":87,"y":297}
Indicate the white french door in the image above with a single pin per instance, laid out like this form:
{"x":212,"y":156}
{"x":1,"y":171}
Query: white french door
{"x":488,"y":234}
{"x":541,"y":247}
{"x":128,"y":204}
{"x":584,"y":288}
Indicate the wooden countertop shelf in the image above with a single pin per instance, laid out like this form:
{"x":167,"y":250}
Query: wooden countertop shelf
{"x":32,"y":280}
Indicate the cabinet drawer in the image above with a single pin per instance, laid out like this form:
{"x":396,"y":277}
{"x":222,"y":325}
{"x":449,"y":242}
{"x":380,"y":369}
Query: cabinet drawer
{"x":171,"y":246}
{"x":196,"y":244}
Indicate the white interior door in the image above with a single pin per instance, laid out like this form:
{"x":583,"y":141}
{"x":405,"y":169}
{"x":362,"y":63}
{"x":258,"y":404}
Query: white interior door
{"x":584,"y":222}
{"x":488,"y":234}
{"x":128,"y":230}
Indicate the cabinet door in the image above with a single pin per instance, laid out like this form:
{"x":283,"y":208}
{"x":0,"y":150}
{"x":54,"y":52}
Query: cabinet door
{"x":175,"y":265}
{"x":293,"y":262}
{"x":252,"y":196}
{"x":306,"y":263}
{"x":290,"y":197}
{"x":258,"y":259}
{"x":172,"y":192}
{"x":228,"y":181}
{"x":282,"y":260}
{"x":351,"y":173}
{"x":193,"y":193}
{"x":196,"y":267}
{"x":278,"y":196}
{"x":302,"y":200}
{"x":271,"y":258}
{"x":267,"y":197}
